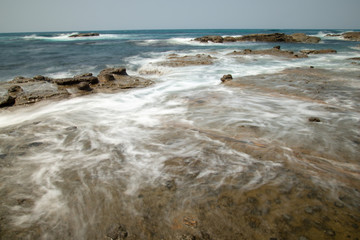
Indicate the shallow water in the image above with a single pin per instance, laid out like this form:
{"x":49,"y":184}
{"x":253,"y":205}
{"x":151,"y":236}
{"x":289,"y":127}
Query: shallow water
{"x":187,"y":158}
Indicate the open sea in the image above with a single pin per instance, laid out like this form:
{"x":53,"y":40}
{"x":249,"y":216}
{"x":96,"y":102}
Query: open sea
{"x":188,"y":157}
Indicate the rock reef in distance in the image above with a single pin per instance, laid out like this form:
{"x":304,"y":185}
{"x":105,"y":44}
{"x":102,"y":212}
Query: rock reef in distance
{"x":23,"y":91}
{"x":272,"y":37}
{"x":277,"y":52}
{"x":85,"y":35}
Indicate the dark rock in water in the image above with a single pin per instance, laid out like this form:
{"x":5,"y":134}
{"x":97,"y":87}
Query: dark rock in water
{"x":117,"y":232}
{"x":85,"y":86}
{"x":352,"y":36}
{"x":226,"y":78}
{"x":321,"y":51}
{"x":2,"y":156}
{"x":277,"y":47}
{"x":314,"y":119}
{"x":34,"y":144}
{"x":85,"y":35}
{"x":7,"y":101}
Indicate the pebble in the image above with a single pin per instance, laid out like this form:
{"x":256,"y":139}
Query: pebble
{"x":339,"y":204}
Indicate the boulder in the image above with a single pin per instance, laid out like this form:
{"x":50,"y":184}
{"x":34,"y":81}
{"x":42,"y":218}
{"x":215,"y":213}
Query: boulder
{"x":85,"y":35}
{"x":7,"y":101}
{"x":84,"y":86}
{"x":226,"y":78}
{"x":15,"y":89}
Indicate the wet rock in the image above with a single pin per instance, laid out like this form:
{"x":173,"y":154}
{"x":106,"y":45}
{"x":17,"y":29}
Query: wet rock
{"x":314,"y":119}
{"x":303,"y":38}
{"x":214,"y":39}
{"x":338,"y":204}
{"x":170,"y":184}
{"x":34,"y":144}
{"x":187,"y":237}
{"x":330,"y":232}
{"x":21,"y":79}
{"x":303,"y":238}
{"x":275,"y":51}
{"x":276,"y":47}
{"x":84,"y":86}
{"x":174,"y":60}
{"x":320,"y":51}
{"x":76,"y":80}
{"x":73,"y":128}
{"x":117,"y":232}
{"x":312,"y":209}
{"x":85,"y":35}
{"x":190,"y":222}
{"x":226,"y":78}
{"x":229,"y":39}
{"x":352,"y":36}
{"x":2,"y":156}
{"x":15,"y":89}
{"x":110,"y":74}
{"x":7,"y":101}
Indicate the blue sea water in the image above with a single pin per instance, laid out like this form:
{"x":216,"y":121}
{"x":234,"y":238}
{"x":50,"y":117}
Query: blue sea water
{"x":55,"y":53}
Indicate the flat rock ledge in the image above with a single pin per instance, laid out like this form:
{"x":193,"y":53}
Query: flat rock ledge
{"x":272,"y":37}
{"x":24,"y":91}
{"x":277,"y":52}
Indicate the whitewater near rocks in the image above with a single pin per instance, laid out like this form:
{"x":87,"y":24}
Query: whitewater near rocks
{"x":272,"y":152}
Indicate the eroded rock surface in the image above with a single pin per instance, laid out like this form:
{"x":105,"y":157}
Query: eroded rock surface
{"x":22,"y":91}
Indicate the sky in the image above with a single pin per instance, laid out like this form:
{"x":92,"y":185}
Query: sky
{"x":86,"y":15}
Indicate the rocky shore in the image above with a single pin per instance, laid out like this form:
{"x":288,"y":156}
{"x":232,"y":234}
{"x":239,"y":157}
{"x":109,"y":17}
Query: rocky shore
{"x":350,"y":36}
{"x":24,"y":91}
{"x":272,"y":37}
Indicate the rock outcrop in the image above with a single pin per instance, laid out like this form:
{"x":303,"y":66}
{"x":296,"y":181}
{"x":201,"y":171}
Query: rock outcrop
{"x":321,"y":51}
{"x":352,"y":36}
{"x":85,"y":35}
{"x":275,"y":51}
{"x":23,"y":91}
{"x":271,"y":37}
{"x":174,"y":60}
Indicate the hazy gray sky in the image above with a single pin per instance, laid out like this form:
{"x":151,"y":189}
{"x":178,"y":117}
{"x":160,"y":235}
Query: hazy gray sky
{"x":76,"y":15}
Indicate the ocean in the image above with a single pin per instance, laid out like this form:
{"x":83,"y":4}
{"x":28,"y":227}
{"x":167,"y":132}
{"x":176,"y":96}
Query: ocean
{"x":273,"y":154}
